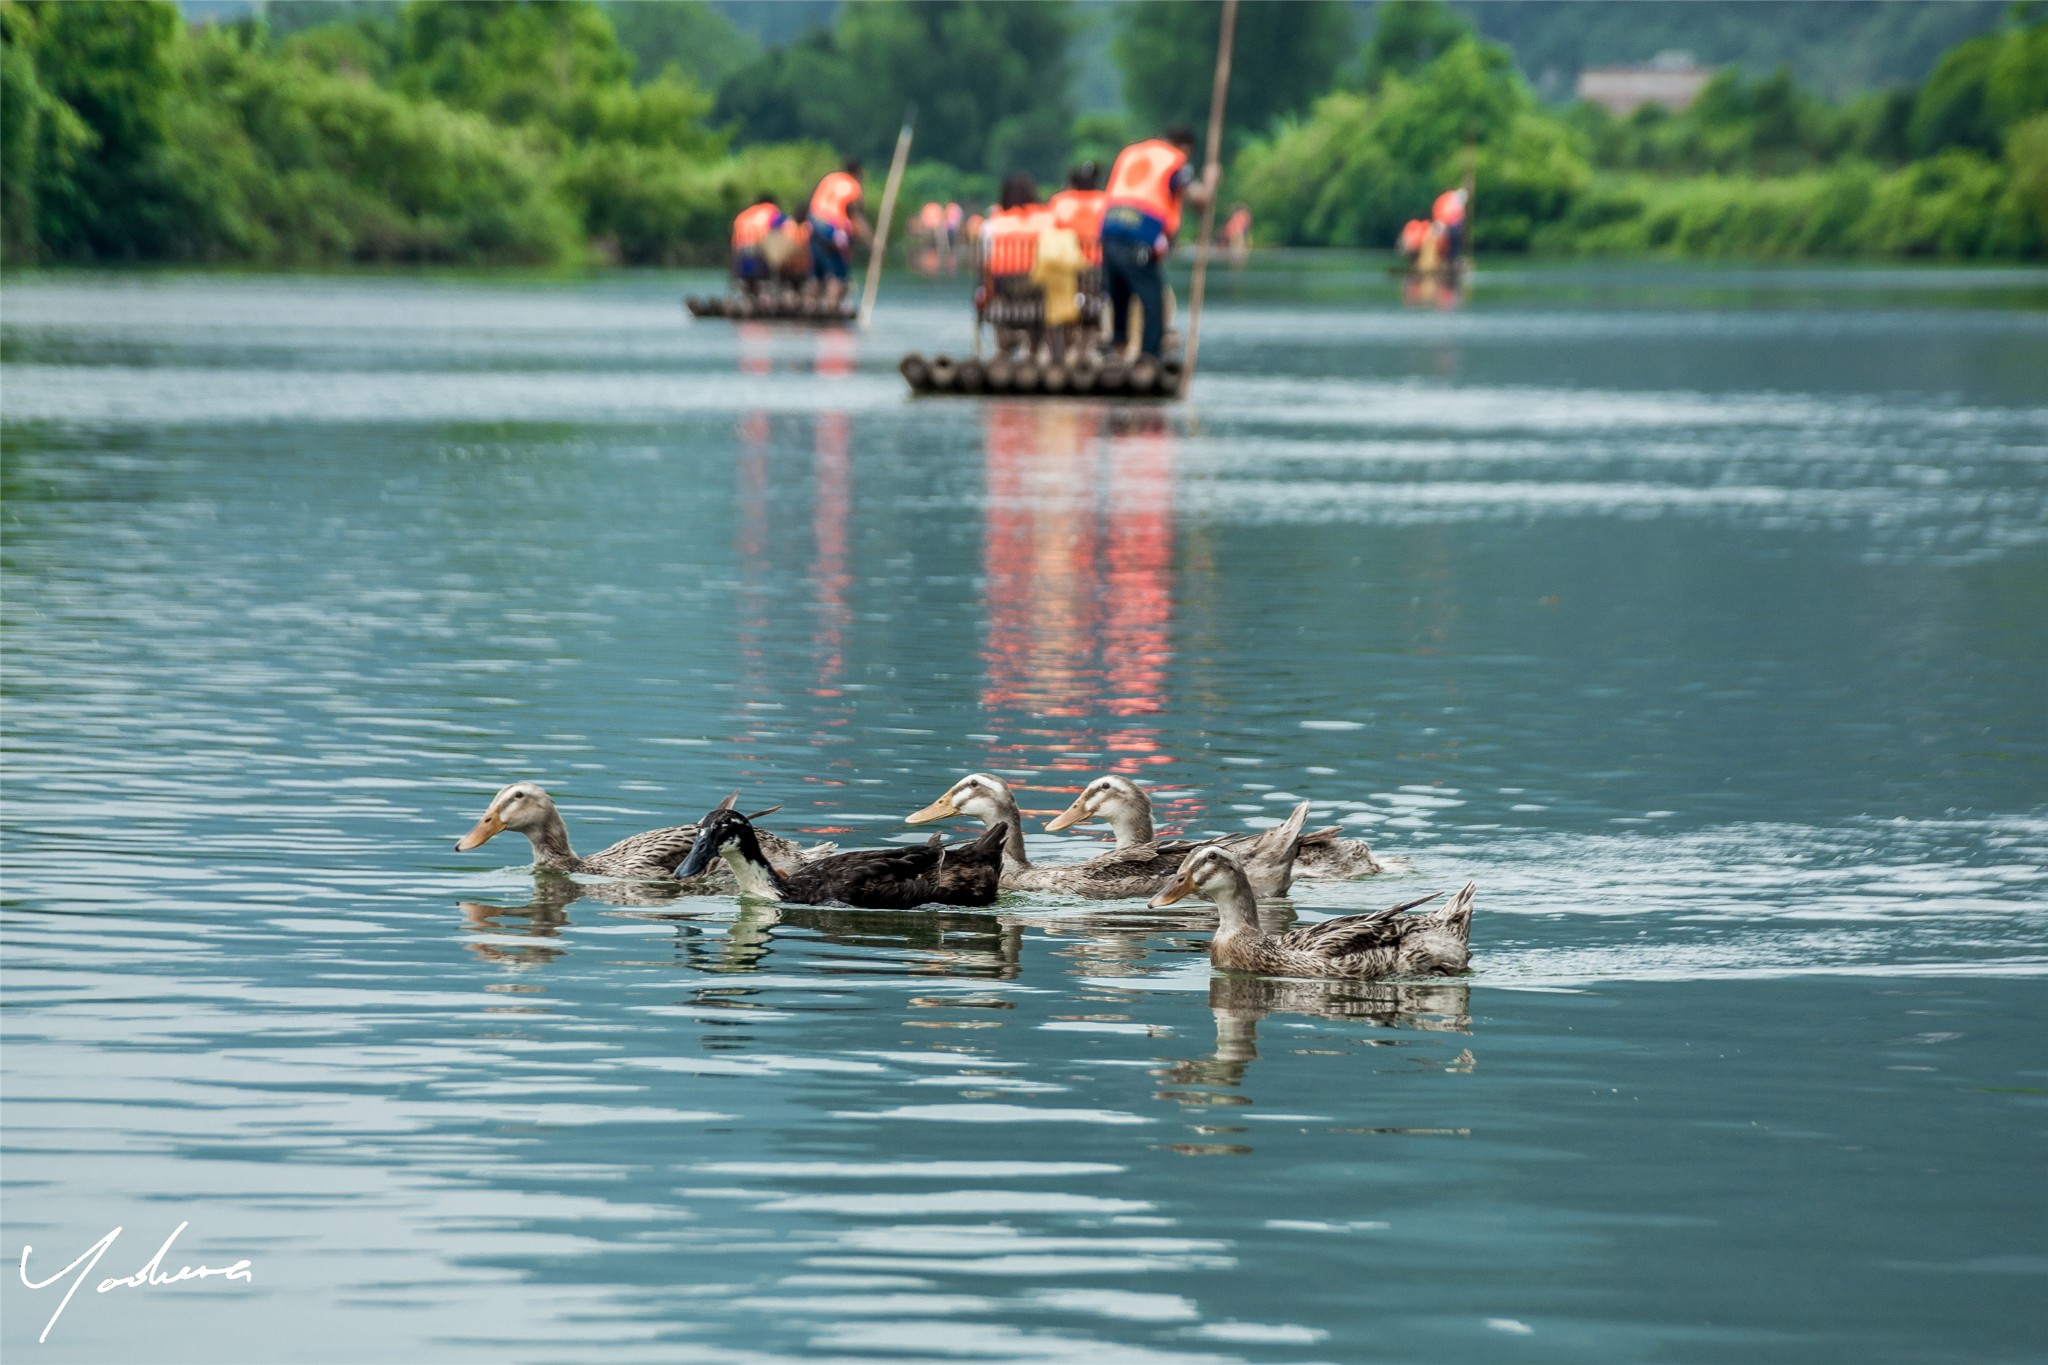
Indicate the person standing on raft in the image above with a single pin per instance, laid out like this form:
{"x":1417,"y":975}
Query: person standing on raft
{"x":1449,"y":215}
{"x":837,"y":221}
{"x":1147,"y":188}
{"x":750,"y":229}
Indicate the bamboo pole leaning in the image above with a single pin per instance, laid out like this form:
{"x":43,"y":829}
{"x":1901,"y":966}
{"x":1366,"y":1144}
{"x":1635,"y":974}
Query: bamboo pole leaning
{"x":1217,"y":93}
{"x":879,"y":248}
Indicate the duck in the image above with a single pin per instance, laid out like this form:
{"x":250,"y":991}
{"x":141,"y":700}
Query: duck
{"x":869,"y":879}
{"x":1126,"y":872}
{"x":653,"y":855}
{"x":1388,"y":942}
{"x":1326,"y":855}
{"x":1126,"y":808}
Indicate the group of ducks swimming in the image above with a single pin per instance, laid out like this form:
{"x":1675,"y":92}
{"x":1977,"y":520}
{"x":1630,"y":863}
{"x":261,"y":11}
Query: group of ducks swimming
{"x":1234,"y":872}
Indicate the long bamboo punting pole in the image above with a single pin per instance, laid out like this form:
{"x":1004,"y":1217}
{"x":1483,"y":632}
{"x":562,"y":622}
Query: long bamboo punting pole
{"x":880,"y":246}
{"x":1217,"y":92}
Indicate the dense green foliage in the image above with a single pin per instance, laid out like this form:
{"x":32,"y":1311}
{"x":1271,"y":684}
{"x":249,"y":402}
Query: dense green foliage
{"x":478,"y":132}
{"x":1755,"y":167}
{"x":1286,"y":52}
{"x":688,"y":34}
{"x":554,"y":131}
{"x":990,"y":82}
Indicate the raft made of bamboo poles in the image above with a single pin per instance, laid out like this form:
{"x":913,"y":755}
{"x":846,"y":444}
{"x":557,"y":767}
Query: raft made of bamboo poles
{"x":1005,"y":377}
{"x":741,"y":308}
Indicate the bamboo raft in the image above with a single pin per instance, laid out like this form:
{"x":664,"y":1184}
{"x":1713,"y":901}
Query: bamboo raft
{"x":1088,"y":377}
{"x":740,"y":308}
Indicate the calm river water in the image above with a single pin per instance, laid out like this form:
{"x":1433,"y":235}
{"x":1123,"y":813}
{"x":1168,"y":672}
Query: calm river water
{"x":1700,"y":616}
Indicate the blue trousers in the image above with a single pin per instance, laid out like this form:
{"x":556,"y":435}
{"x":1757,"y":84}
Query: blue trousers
{"x":1130,"y":269}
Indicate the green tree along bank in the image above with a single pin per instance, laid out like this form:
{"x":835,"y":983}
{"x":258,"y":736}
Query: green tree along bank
{"x":482,"y":132}
{"x":1955,"y":168}
{"x":563,"y":131}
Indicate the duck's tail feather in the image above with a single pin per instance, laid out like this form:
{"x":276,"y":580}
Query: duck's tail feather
{"x":1457,"y":916}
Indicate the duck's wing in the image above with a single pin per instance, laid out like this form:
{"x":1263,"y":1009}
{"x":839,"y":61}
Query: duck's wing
{"x":873,"y":878}
{"x":1163,"y":858}
{"x":1347,"y":935}
{"x":654,"y":853}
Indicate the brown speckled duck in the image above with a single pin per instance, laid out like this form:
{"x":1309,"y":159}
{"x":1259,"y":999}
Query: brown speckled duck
{"x":1387,"y":942}
{"x":1127,"y":871}
{"x":654,"y":854}
{"x":1126,"y":808}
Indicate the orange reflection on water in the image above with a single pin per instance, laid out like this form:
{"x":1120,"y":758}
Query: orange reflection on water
{"x":757,"y":347}
{"x":1078,"y":560}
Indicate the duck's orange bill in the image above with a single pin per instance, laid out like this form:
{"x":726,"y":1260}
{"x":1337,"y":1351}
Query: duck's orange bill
{"x":1072,"y":815}
{"x":477,"y":837}
{"x":937,"y":810}
{"x":1182,"y":885}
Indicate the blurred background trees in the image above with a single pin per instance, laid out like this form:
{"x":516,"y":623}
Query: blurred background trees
{"x":557,"y":131}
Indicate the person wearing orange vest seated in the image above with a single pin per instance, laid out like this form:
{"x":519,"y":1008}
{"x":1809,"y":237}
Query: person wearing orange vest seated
{"x":837,"y":220}
{"x":1147,"y":188}
{"x":787,"y":253}
{"x":749,"y":231}
{"x":1449,"y":214}
{"x":1079,"y":208}
{"x":1009,"y":239}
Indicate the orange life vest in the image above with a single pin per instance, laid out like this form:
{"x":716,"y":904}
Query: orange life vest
{"x":1414,"y":233}
{"x":1450,"y":208}
{"x":1142,"y":179}
{"x":1080,"y":210}
{"x":830,"y":201}
{"x":1013,"y":238}
{"x":752,"y":225}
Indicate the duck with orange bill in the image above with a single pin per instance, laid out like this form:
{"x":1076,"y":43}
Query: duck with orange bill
{"x":1388,"y":942}
{"x":1126,"y":872}
{"x":1126,"y":808}
{"x":899,"y":878}
{"x":656,"y":854}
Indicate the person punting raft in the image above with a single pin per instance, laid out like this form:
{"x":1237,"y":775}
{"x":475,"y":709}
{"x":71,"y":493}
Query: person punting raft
{"x":1059,"y":278}
{"x":837,"y":222}
{"x":1038,"y":294}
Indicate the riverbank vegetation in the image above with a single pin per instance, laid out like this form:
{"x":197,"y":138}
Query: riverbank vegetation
{"x":1956,"y":167}
{"x":498,"y":131}
{"x":437,"y":132}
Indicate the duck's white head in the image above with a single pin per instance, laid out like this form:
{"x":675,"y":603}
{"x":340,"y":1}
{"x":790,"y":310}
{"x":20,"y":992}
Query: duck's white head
{"x":522,"y":806}
{"x":1211,"y":872}
{"x":983,"y":797}
{"x":1110,"y":798}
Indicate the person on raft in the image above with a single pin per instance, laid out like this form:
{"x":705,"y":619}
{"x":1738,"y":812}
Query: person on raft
{"x":750,"y":270}
{"x":1079,"y":208}
{"x":1148,"y":186}
{"x":1449,"y":215}
{"x":837,"y":221}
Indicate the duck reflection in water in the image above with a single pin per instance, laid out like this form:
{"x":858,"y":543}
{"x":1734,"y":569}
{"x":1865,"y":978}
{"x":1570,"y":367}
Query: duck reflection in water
{"x":1127,"y":942}
{"x":1240,"y":1002}
{"x":545,"y":915}
{"x":933,"y":942}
